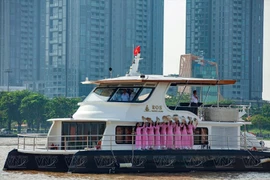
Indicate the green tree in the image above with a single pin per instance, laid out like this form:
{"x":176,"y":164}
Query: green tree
{"x":61,"y":107}
{"x":260,"y":122}
{"x":171,"y":100}
{"x":10,"y":103}
{"x":266,"y":110}
{"x":32,"y":109}
{"x":4,"y":107}
{"x":2,"y":118}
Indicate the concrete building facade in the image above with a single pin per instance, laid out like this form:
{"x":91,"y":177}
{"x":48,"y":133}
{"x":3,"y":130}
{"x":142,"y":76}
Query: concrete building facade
{"x":231,"y":32}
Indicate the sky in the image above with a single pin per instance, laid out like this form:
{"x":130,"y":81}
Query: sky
{"x":174,"y":39}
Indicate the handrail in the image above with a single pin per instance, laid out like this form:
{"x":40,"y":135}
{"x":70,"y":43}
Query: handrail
{"x":90,"y":142}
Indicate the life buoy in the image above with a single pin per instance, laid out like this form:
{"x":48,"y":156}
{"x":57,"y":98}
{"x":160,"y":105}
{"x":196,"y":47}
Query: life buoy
{"x":253,"y":149}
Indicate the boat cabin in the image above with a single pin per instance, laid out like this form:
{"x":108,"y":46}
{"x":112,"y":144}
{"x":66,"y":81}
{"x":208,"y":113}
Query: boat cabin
{"x":107,"y":117}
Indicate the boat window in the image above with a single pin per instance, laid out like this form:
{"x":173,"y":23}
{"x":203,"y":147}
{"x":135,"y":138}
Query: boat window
{"x":144,"y":94}
{"x":82,"y":134}
{"x":134,"y":94}
{"x":201,"y":136}
{"x":100,"y":94}
{"x":123,"y":135}
{"x":124,"y":94}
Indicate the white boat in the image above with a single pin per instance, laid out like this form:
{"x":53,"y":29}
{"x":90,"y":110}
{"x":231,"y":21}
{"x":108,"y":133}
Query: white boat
{"x":100,"y":136}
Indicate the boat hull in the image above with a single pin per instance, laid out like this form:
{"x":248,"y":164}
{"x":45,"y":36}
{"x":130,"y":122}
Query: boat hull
{"x":124,"y":161}
{"x":42,"y":162}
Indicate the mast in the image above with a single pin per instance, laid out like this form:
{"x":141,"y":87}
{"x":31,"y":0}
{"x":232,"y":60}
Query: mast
{"x":133,"y":70}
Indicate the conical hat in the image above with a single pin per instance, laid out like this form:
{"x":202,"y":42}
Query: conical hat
{"x":175,"y":117}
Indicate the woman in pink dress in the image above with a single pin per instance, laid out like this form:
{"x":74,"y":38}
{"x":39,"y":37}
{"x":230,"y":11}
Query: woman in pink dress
{"x":144,"y":136}
{"x":138,"y":139}
{"x":185,"y":139}
{"x":151,"y":135}
{"x":191,"y":129}
{"x":169,"y":140}
{"x":163,"y":134}
{"x":177,"y":133}
{"x":157,"y":135}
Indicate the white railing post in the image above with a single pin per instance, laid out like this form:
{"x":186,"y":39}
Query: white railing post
{"x":132,"y":140}
{"x":65,"y":142}
{"x":87,"y":144}
{"x":18,"y":145}
{"x":24,"y":143}
{"x":110,"y":142}
{"x":34,"y":143}
{"x":47,"y":141}
{"x":228,"y":142}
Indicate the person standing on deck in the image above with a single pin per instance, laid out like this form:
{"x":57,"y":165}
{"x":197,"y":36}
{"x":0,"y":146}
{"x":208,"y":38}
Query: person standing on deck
{"x":191,"y":129}
{"x":185,"y":139}
{"x":194,"y":99}
{"x":177,"y":133}
{"x":151,"y":135}
{"x":163,"y":134}
{"x":138,"y":139}
{"x":144,"y":136}
{"x":157,"y":134}
{"x":169,"y":140}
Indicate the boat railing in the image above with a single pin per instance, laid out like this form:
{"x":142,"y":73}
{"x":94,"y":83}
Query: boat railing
{"x":223,"y":113}
{"x":213,"y":112}
{"x":112,"y":142}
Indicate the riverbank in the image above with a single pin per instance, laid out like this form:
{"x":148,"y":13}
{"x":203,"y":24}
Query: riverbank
{"x":8,"y":135}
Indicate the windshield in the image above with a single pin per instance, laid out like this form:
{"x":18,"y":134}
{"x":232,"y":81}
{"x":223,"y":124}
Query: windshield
{"x":123,"y":94}
{"x":138,"y":94}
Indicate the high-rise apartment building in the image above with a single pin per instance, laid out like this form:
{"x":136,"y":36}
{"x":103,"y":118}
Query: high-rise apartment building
{"x":51,"y":46}
{"x":84,"y":38}
{"x":20,"y":42}
{"x":231,"y":32}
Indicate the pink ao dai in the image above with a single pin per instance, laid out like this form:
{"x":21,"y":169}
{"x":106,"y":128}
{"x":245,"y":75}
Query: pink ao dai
{"x":138,"y":141}
{"x":185,"y":138}
{"x":191,"y":129}
{"x":169,"y":140}
{"x":177,"y":139}
{"x":151,"y":136}
{"x":144,"y":137}
{"x":157,"y":136}
{"x":163,"y":134}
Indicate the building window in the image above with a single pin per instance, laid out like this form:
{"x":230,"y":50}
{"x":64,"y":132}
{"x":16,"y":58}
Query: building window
{"x":123,"y":135}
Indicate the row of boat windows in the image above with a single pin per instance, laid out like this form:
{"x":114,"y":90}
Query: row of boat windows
{"x":123,"y":94}
{"x":93,"y":132}
{"x":124,"y":135}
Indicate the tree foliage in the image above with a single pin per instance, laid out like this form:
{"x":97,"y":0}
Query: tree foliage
{"x":260,"y":122}
{"x":61,"y":107}
{"x":33,"y":109}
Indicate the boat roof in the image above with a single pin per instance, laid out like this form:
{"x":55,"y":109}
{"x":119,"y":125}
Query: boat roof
{"x":161,"y":78}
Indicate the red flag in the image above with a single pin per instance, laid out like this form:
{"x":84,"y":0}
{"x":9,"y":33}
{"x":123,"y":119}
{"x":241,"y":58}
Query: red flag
{"x":137,"y":50}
